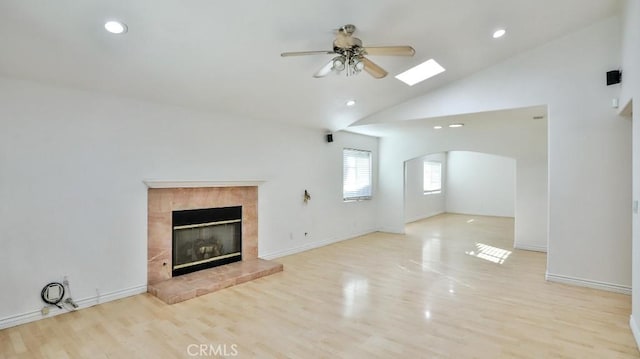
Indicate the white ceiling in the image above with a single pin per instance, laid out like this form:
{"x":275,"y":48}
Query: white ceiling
{"x":225,"y":56}
{"x":525,"y":118}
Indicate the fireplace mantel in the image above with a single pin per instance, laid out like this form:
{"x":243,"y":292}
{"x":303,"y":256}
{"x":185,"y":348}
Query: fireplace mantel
{"x":203,"y":184}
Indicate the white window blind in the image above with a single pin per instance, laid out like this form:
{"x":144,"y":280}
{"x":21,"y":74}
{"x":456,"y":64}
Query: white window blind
{"x":356,"y":174}
{"x":432,"y":177}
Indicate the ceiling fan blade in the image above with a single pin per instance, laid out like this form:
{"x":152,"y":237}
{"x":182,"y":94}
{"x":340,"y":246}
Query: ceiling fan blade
{"x":324,"y":70}
{"x":373,"y":69}
{"x":303,"y":53}
{"x":390,"y":50}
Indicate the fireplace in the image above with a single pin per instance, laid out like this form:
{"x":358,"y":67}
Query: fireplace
{"x":164,"y":201}
{"x":206,"y":238}
{"x":193,"y":226}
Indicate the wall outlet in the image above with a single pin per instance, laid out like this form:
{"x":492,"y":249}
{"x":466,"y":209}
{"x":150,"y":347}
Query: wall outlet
{"x":45,"y":311}
{"x":635,"y":206}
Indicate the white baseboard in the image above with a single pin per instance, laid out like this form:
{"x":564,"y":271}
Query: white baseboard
{"x":309,"y":246}
{"x":392,"y":230}
{"x":529,"y":247}
{"x":479,"y":214}
{"x":32,"y":316}
{"x":635,"y":330}
{"x":617,"y":288}
{"x":419,"y":218}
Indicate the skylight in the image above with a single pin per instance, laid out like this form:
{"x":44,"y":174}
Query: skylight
{"x":420,"y":72}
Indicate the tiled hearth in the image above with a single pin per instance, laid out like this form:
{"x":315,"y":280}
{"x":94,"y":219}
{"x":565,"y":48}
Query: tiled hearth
{"x":162,"y":202}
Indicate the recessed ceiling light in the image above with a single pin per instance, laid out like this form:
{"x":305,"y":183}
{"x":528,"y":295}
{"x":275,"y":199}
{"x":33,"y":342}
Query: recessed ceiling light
{"x":499,"y":33}
{"x":437,"y":127}
{"x":454,"y":125}
{"x":351,"y":103}
{"x":115,"y":27}
{"x":420,"y":72}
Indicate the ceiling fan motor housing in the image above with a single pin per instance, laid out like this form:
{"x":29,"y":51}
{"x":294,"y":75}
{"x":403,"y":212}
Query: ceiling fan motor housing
{"x":348,"y":29}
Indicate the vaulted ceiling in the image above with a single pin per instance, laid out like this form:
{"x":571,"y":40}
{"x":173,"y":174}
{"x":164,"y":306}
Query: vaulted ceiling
{"x":224,"y":57}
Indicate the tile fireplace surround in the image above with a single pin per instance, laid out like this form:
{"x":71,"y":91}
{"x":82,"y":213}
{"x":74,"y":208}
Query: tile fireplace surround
{"x":162,"y":201}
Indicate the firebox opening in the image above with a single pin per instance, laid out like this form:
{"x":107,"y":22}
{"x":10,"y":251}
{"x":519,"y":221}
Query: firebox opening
{"x":205,"y":238}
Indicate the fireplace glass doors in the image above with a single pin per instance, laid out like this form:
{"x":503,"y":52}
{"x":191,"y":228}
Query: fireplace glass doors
{"x":205,"y":238}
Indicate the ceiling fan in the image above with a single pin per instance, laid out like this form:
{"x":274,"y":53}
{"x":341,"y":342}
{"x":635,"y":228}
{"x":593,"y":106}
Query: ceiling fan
{"x":351,"y":55}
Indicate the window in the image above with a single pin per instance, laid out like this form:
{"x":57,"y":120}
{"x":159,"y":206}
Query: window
{"x":432,"y":177}
{"x":356,"y":174}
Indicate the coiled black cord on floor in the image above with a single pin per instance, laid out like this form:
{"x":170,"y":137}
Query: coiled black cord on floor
{"x":45,"y":294}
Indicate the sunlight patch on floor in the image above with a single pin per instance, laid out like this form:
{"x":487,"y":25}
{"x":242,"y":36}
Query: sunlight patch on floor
{"x":489,"y":253}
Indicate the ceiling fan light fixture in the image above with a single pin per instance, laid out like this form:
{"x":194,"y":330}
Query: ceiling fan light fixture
{"x":351,"y":55}
{"x":339,"y":63}
{"x":421,"y":72}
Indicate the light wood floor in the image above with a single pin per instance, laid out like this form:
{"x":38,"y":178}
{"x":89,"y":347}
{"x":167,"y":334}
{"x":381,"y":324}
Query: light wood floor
{"x":441,"y":291}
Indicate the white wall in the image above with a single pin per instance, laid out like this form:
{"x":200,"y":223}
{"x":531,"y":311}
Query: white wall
{"x":72,"y":200}
{"x":472,"y":183}
{"x":589,"y":173}
{"x":481,"y":184}
{"x":631,"y":91}
{"x":418,"y":205}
